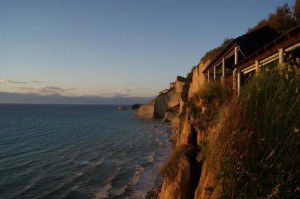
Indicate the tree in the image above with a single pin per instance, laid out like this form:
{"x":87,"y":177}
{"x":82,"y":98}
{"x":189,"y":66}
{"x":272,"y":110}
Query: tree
{"x":297,"y":11}
{"x":282,"y":20}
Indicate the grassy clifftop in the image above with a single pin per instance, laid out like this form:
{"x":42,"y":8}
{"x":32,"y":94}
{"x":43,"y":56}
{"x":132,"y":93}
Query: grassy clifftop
{"x":256,"y":143}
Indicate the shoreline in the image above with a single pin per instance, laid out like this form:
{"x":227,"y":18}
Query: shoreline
{"x":154,"y":192}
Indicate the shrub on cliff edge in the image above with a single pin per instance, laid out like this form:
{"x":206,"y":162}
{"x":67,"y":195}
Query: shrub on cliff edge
{"x":214,"y":92}
{"x":213,"y":95}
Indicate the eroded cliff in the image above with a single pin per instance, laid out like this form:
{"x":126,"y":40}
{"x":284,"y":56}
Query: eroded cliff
{"x":189,"y":175}
{"x":165,"y":105}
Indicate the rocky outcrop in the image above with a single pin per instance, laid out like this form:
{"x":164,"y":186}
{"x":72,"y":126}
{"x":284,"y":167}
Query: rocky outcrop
{"x":172,"y":115}
{"x":195,"y":171}
{"x":178,"y":174}
{"x":186,"y":134}
{"x":166,"y":100}
{"x":135,"y":106}
{"x":179,"y":188}
{"x":207,"y":184}
{"x":197,"y":78}
{"x":146,"y":110}
{"x":187,"y":174}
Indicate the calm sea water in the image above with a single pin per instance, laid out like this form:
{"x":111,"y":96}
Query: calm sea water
{"x":79,"y":151}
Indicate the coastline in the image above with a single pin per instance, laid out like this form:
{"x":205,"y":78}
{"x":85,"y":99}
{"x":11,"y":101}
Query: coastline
{"x":166,"y":108}
{"x":154,"y":192}
{"x":215,"y":135}
{"x":113,"y":153}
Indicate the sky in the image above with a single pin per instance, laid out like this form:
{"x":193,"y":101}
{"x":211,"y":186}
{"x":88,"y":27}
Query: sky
{"x":113,"y":48}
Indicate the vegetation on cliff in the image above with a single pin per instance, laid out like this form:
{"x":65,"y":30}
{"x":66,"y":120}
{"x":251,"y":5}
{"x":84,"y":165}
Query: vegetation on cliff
{"x":259,"y":139}
{"x":212,"y":97}
{"x":283,"y":19}
{"x":240,"y":146}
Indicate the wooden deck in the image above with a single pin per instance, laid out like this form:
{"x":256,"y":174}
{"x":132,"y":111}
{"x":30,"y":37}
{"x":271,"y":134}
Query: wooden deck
{"x":273,"y":51}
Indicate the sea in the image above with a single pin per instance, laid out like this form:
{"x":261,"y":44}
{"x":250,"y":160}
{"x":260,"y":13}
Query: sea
{"x":79,"y":151}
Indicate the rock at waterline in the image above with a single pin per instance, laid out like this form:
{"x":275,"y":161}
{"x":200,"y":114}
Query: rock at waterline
{"x":122,"y":108}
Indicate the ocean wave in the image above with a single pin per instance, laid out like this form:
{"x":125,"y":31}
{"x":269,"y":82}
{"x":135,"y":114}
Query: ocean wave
{"x":84,"y":163}
{"x":29,"y":186}
{"x":62,"y":186}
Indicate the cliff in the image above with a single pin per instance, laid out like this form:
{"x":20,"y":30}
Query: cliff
{"x":177,"y":105}
{"x":183,"y":170}
{"x":165,"y":105}
{"x":197,"y":78}
{"x":146,"y":110}
{"x":231,"y":140}
{"x":225,"y":142}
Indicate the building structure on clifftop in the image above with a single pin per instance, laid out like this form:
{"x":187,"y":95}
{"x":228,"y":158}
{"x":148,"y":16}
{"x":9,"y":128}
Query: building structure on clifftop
{"x":247,"y":53}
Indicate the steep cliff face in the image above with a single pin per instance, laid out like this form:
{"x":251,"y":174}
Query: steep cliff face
{"x":172,"y":115}
{"x":167,"y":100}
{"x":146,"y":110}
{"x":179,"y":173}
{"x":186,"y":133}
{"x":196,"y":171}
{"x":188,"y":173}
{"x":227,"y":133}
{"x":197,"y":78}
{"x":208,"y":185}
{"x":180,"y":186}
{"x":164,"y":102}
{"x":184,"y":168}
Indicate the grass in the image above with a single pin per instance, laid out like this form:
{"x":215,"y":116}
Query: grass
{"x":214,"y":92}
{"x":213,"y":96}
{"x":259,"y":141}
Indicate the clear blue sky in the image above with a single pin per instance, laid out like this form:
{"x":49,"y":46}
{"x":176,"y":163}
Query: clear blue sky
{"x":113,"y":47}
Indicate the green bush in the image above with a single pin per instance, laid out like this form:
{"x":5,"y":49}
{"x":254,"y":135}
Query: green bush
{"x":282,"y":20}
{"x":261,"y":138}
